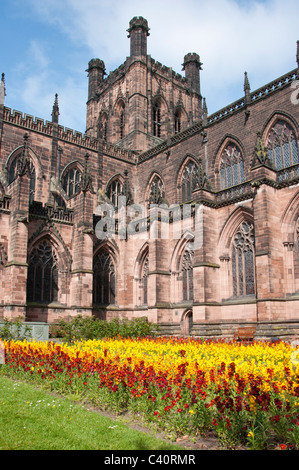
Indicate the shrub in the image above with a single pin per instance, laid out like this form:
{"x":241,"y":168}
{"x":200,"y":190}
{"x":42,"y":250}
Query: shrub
{"x":15,"y":330}
{"x":81,"y":327}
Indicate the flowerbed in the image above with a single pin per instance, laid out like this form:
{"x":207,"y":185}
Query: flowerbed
{"x":247,"y":393}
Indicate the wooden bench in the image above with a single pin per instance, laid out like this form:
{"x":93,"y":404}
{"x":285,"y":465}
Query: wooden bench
{"x":245,"y":333}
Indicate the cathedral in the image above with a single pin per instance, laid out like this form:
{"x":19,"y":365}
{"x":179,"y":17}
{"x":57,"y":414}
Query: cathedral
{"x":160,"y":209}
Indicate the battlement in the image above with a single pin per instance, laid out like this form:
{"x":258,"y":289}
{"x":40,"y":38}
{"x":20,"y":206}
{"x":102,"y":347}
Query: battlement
{"x":35,"y":124}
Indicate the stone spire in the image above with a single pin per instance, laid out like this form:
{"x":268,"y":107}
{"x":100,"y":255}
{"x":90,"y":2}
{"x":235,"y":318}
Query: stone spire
{"x":55,"y":110}
{"x":297,"y":57}
{"x":2,"y":90}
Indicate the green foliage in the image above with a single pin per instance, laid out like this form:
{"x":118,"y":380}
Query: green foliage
{"x":80,"y":327}
{"x":14,"y":330}
{"x":32,"y":419}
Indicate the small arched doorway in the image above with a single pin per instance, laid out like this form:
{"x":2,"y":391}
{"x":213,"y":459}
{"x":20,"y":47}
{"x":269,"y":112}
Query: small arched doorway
{"x":187,"y":322}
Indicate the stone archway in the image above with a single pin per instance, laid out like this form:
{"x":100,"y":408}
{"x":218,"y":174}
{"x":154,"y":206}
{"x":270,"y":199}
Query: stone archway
{"x":187,"y":322}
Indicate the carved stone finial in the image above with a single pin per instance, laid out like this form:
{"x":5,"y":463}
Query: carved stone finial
{"x":2,"y":90}
{"x":127,"y":189}
{"x":260,"y":153}
{"x":86,"y":182}
{"x":55,"y":110}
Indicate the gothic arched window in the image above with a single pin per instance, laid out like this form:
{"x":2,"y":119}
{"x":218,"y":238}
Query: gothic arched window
{"x":189,"y":181}
{"x":187,"y":272}
{"x":71,"y":181}
{"x":13,"y":173}
{"x":42,"y":281}
{"x":157,"y":119}
{"x":114,"y":190}
{"x":157,"y":191}
{"x":104,"y":279}
{"x":282,"y":145}
{"x":243,"y":260}
{"x":231,"y":167}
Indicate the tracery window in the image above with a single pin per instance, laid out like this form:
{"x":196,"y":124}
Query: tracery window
{"x":187,"y":272}
{"x":13,"y":173}
{"x":157,"y":120}
{"x":104,"y":279}
{"x":42,"y":281}
{"x":282,"y":145}
{"x":115,"y":190}
{"x":157,"y":191}
{"x":71,"y":181}
{"x":243,"y":260}
{"x":189,"y":181}
{"x":231,"y":167}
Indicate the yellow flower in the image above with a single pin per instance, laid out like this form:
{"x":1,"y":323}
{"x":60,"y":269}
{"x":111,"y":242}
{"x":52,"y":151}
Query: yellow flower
{"x":250,"y":434}
{"x":191,"y":412}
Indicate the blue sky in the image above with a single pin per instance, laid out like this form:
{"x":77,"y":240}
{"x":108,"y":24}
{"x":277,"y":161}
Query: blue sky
{"x":46,"y":46}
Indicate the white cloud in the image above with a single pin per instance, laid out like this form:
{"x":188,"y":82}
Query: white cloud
{"x":230,"y":36}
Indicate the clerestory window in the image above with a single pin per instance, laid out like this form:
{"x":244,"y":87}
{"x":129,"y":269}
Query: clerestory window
{"x":231,"y":167}
{"x":282,"y":145}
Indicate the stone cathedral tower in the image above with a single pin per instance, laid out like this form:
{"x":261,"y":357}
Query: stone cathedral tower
{"x":142,"y":103}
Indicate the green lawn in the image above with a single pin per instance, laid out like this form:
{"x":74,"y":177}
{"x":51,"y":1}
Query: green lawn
{"x":31,"y":419}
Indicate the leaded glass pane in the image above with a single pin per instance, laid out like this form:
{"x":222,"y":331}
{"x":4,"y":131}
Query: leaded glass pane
{"x":234,"y":272}
{"x":295,"y":152}
{"x":249,"y":272}
{"x":242,"y":172}
{"x":278,"y":158}
{"x":236,"y":173}
{"x":243,"y":260}
{"x":229,"y":176}
{"x":240,"y":269}
{"x":286,"y":154}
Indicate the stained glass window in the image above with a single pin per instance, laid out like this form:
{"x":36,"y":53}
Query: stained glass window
{"x":243,"y":277}
{"x":104,"y":279}
{"x":42,"y":282}
{"x":187,"y":272}
{"x":231,"y":167}
{"x":114,"y":191}
{"x":282,"y":145}
{"x":189,"y":181}
{"x":157,"y":191}
{"x":71,"y":182}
